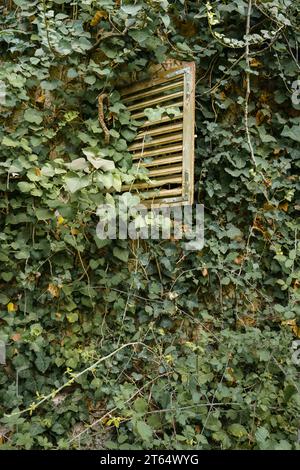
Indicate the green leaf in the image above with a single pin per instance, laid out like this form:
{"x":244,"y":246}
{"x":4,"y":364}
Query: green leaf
{"x":8,"y":142}
{"x":144,"y":430}
{"x":121,"y":254}
{"x":139,"y":35}
{"x":292,"y":132}
{"x":98,"y":162}
{"x":131,"y":9}
{"x":72,"y":317}
{"x":166,"y":20}
{"x":283,"y":445}
{"x":75,"y":183}
{"x":16,"y":80}
{"x":77,"y":164}
{"x":4,"y":299}
{"x":140,"y":405}
{"x":237,"y":430}
{"x":25,"y":187}
{"x":33,"y":116}
{"x":261,"y":434}
{"x":42,"y":362}
{"x":153,"y":114}
{"x":43,"y":214}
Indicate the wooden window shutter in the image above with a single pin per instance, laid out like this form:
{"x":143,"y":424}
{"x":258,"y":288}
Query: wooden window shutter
{"x":166,"y":146}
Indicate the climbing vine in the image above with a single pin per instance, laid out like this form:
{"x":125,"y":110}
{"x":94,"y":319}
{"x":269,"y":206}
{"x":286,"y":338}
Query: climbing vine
{"x":134,"y":344}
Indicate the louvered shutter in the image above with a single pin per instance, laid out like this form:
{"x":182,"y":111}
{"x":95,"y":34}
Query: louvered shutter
{"x":166,"y":146}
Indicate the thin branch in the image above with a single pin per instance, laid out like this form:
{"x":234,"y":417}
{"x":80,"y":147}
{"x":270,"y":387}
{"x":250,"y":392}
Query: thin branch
{"x":33,"y":406}
{"x":98,"y":421}
{"x":104,"y":35}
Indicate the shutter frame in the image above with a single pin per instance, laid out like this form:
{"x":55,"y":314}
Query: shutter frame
{"x":176,"y":136}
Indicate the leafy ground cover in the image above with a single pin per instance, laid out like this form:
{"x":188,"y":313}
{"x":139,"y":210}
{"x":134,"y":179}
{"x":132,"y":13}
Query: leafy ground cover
{"x":122,"y":344}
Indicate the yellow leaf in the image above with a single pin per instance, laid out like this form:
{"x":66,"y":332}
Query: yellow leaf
{"x":60,"y":220}
{"x":255,"y":63}
{"x":293,"y":326}
{"x":40,"y":99}
{"x":98,"y":17}
{"x":204,"y":272}
{"x":284,"y":206}
{"x":54,"y":290}
{"x":11,"y":307}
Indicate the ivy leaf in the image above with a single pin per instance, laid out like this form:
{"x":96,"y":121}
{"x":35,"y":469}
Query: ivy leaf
{"x":9,"y":142}
{"x":3,"y":299}
{"x":98,"y":162}
{"x":261,"y":434}
{"x":77,"y":164}
{"x":42,"y":362}
{"x":166,"y":20}
{"x":121,"y":254}
{"x":292,"y":132}
{"x":144,"y":430}
{"x":131,"y":9}
{"x":25,"y":187}
{"x":153,"y":114}
{"x":75,"y":183}
{"x":237,"y":430}
{"x":140,"y":405}
{"x":33,"y":116}
{"x":72,"y":317}
{"x":139,"y":35}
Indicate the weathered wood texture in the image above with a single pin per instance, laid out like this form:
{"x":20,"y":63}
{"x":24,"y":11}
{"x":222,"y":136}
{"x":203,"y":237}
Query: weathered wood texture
{"x":164,"y":146}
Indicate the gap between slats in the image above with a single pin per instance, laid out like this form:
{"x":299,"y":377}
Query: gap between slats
{"x":153,"y":184}
{"x":161,"y":151}
{"x":155,"y":142}
{"x":154,"y":91}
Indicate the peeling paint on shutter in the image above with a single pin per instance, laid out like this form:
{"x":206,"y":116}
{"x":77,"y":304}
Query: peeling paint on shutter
{"x":166,"y":146}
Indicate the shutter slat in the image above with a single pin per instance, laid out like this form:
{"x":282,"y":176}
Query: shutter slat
{"x":154,"y":91}
{"x":162,"y":151}
{"x":162,"y":120}
{"x":149,"y":103}
{"x":160,"y":130}
{"x":166,"y":171}
{"x":153,"y":183}
{"x":144,"y":85}
{"x":162,"y":193}
{"x":162,"y":161}
{"x":179,"y":104}
{"x":154,"y":142}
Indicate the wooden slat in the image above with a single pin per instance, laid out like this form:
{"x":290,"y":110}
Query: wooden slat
{"x":162,"y":151}
{"x":162,"y":120}
{"x":162,"y":193}
{"x":144,"y":85}
{"x":154,"y":91}
{"x":155,"y":142}
{"x":188,"y":134}
{"x":162,"y":161}
{"x":170,"y":170}
{"x":160,"y":130}
{"x":154,"y":101}
{"x":178,"y":104}
{"x":153,"y":184}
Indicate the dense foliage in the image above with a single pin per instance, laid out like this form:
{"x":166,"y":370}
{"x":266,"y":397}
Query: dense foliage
{"x":211,"y":365}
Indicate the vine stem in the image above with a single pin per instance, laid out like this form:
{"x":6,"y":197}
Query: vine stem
{"x":109,"y":413}
{"x":248,"y":85}
{"x":33,"y":406}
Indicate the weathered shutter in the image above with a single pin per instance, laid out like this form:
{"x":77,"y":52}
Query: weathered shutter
{"x":165,"y":147}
